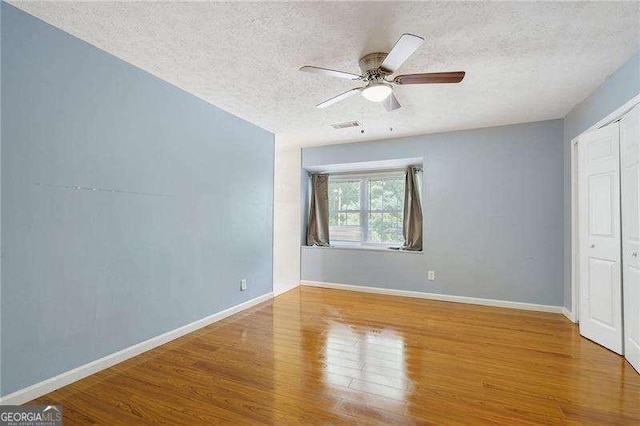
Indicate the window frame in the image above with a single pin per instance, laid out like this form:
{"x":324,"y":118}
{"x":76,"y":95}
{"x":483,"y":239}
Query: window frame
{"x":365,"y":178}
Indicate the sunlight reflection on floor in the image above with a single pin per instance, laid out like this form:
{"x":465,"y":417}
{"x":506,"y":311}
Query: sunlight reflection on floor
{"x":377,"y":360}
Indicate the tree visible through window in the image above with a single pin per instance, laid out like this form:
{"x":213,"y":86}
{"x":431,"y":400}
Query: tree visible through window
{"x":366,"y":209}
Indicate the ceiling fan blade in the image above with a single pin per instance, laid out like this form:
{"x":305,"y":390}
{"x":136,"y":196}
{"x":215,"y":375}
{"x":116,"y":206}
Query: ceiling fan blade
{"x":391,"y":103}
{"x":404,"y":47}
{"x":332,"y":73}
{"x":338,"y":98}
{"x":430,"y":78}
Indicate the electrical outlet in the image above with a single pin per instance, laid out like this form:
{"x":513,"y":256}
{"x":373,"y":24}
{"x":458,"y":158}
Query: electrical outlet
{"x":243,"y":285}
{"x":431,"y":275}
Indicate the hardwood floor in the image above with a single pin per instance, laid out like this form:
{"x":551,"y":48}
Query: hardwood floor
{"x":330,"y":356}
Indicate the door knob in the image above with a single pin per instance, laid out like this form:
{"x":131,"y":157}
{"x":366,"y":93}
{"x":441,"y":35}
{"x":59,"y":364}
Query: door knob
{"x":634,"y":253}
{"x":592,"y":245}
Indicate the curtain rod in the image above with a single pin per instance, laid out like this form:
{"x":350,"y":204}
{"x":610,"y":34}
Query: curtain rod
{"x":367,"y":171}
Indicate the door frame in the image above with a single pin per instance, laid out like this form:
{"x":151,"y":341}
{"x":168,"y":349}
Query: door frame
{"x":616,"y":115}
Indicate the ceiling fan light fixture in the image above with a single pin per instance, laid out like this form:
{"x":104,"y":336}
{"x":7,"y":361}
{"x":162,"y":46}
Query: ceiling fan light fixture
{"x":377,"y":92}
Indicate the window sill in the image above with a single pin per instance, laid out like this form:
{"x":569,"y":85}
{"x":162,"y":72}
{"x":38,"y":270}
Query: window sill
{"x":362,"y":248}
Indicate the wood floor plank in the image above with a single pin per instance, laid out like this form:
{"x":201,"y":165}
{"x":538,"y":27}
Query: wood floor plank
{"x":318,"y":356}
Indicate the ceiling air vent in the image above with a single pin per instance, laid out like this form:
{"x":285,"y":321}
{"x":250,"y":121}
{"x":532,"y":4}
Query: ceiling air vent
{"x":346,"y":125}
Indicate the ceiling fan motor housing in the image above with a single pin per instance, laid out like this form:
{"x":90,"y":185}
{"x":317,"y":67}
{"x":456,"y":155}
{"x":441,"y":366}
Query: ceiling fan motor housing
{"x":370,"y":66}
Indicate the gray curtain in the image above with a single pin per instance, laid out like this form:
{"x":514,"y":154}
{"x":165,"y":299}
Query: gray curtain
{"x":412,"y":226}
{"x":318,"y":228}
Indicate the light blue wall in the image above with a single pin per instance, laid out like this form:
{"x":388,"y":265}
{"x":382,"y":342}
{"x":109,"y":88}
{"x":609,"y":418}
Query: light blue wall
{"x":616,"y":90}
{"x":493,"y":207}
{"x":87,"y":273}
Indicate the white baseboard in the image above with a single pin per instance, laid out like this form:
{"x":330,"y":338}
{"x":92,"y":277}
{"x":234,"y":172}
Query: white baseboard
{"x":440,"y":297}
{"x":42,"y":388}
{"x":567,"y":313}
{"x":283,"y":288}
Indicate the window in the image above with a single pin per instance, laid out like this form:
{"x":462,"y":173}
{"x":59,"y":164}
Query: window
{"x":366,"y":208}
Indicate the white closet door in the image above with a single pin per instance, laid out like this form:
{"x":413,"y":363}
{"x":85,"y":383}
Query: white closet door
{"x":599,"y":235}
{"x":630,"y":161}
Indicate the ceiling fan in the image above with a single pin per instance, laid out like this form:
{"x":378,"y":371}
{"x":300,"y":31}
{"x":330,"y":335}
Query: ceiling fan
{"x":377,"y":67}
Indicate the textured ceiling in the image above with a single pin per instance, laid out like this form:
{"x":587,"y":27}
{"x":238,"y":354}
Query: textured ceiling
{"x":524,"y":61}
